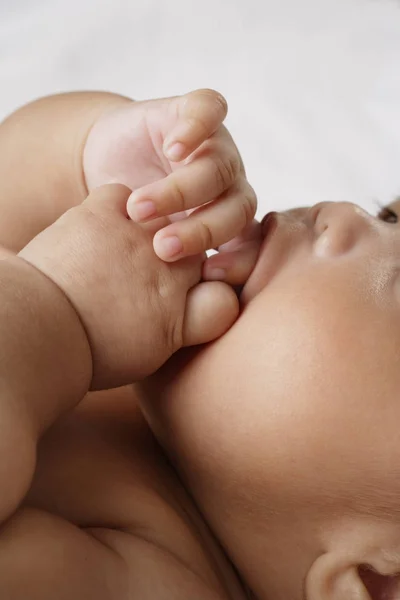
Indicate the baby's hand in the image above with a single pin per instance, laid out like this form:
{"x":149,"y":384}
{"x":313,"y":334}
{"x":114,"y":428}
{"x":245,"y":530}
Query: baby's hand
{"x":177,"y":156}
{"x":137,"y":310}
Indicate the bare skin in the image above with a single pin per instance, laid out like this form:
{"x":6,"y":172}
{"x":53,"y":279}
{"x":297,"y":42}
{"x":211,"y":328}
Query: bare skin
{"x":283,"y":432}
{"x":286,"y":428}
{"x":102,"y":514}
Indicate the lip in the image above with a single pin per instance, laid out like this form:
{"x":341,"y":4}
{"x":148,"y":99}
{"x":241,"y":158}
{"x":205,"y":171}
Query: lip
{"x":282,"y":233}
{"x":268,"y":223}
{"x":263,"y":270}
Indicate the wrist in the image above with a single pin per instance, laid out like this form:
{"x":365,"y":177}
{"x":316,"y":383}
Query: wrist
{"x":45,"y":363}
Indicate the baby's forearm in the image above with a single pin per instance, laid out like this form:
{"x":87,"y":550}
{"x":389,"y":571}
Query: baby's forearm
{"x":41,"y":148}
{"x":45,"y":369}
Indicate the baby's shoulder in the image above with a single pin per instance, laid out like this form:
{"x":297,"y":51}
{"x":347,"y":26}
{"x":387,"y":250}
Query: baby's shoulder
{"x":110,"y":517}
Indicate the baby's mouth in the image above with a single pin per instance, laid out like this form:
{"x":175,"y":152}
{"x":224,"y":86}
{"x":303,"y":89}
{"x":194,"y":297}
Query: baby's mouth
{"x":282,"y":235}
{"x":268,"y":223}
{"x":255,"y":282}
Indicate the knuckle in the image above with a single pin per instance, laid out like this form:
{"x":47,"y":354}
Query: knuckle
{"x":165,"y":334}
{"x":218,"y":101}
{"x":226,"y":171}
{"x":204,"y":107}
{"x":161,"y":285}
{"x":249,"y":205}
{"x":247,"y":212}
{"x":174,"y":334}
{"x":177,"y":195}
{"x":170,"y":321}
{"x":221,"y":103}
{"x":204,"y":235}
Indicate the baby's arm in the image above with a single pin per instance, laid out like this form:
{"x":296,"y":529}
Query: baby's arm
{"x":87,"y":304}
{"x":41,"y":168}
{"x":45,"y":369}
{"x":106,"y":268}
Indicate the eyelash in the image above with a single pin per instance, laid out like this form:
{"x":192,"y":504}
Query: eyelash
{"x":387,"y":214}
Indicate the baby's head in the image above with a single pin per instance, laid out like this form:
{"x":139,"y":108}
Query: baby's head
{"x":287,"y":429}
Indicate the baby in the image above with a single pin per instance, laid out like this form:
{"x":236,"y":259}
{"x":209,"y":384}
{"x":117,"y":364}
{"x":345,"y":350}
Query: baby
{"x":281,"y":435}
{"x":87,"y":303}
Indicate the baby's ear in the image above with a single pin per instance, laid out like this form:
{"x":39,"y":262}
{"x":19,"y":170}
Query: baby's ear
{"x":332,"y":577}
{"x":380,"y":586}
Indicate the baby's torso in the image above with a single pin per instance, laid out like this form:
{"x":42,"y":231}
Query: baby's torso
{"x":107,"y":518}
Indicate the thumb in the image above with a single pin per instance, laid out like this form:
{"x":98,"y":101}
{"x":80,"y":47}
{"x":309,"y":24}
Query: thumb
{"x":211,"y":309}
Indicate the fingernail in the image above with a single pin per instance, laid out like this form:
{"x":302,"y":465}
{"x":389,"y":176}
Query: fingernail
{"x":142,"y":210}
{"x":175,"y":151}
{"x":168,"y":246}
{"x":216,"y":274}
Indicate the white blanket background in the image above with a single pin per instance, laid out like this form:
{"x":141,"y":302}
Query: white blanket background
{"x":313,"y":85}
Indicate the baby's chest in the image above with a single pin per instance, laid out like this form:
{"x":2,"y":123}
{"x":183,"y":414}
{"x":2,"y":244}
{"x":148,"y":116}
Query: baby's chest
{"x":101,"y":470}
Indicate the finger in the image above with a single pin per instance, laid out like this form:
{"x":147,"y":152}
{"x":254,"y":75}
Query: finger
{"x":207,"y":177}
{"x":233,"y":267}
{"x":200,"y":113}
{"x":251,"y":233}
{"x":235,"y":260}
{"x":211,"y":309}
{"x":209,"y":226}
{"x":153,"y":226}
{"x":111,"y":197}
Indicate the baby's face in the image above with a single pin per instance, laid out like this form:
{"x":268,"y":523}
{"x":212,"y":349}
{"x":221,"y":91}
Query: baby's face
{"x":296,"y":409}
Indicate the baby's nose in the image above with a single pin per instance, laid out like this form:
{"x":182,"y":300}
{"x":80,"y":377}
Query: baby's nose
{"x":338,"y":227}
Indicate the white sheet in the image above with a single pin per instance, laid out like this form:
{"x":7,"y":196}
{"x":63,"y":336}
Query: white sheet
{"x":313,"y":85}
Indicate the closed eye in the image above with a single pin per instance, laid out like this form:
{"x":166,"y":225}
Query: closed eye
{"x":387,"y":215}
